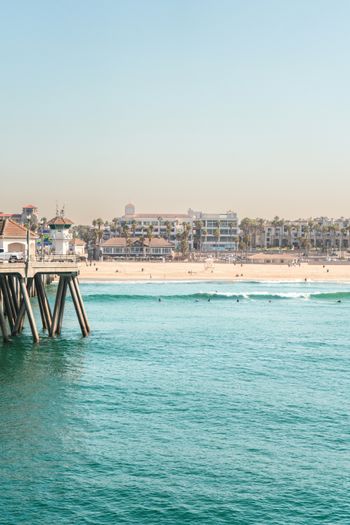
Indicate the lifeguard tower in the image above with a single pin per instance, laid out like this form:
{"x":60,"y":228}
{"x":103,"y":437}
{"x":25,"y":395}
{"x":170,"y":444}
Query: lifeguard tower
{"x":60,"y":232}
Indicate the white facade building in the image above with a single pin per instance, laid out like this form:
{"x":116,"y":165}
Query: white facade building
{"x":13,"y":237}
{"x":60,"y":234}
{"x":216,"y":232}
{"x":169,"y":226}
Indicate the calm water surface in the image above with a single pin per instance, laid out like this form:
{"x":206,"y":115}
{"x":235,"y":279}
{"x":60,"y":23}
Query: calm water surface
{"x":182,"y":410}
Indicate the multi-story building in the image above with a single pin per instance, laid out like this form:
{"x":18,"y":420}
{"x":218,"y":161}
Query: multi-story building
{"x":214,"y":232}
{"x":169,"y":226}
{"x":319,"y":232}
{"x":199,"y":231}
{"x":29,"y":215}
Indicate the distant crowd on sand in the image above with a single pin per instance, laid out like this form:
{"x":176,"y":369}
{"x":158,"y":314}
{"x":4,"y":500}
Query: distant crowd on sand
{"x":144,"y":270}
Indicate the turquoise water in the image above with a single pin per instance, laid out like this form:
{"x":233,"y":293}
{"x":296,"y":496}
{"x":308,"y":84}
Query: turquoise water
{"x":182,"y":410}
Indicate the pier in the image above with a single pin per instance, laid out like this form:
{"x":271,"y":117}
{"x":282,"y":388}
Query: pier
{"x":20,"y":281}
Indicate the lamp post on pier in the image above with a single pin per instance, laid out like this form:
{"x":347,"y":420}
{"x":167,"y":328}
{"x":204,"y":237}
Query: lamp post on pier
{"x":28,"y":248}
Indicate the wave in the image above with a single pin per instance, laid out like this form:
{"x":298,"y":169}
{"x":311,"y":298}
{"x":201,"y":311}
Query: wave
{"x":105,"y":297}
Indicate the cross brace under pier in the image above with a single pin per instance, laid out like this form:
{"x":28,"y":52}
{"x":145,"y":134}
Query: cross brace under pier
{"x":15,"y":304}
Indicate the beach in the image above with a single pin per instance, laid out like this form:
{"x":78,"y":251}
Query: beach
{"x":190,"y":271}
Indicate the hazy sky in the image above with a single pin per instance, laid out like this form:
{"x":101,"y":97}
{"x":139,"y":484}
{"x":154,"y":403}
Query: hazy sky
{"x":171,"y":104}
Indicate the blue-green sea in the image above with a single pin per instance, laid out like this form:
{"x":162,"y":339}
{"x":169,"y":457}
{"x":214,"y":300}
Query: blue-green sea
{"x":190,"y":403}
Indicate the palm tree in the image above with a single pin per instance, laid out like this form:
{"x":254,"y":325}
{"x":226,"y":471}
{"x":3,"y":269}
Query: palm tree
{"x":216,"y":234}
{"x":184,"y":238}
{"x":198,"y":235}
{"x":125,"y":230}
{"x":168,"y":229}
{"x":343,"y":233}
{"x":149,"y":232}
{"x":133,"y":227}
{"x":260,"y":229}
{"x":246,"y":229}
{"x":333,"y":229}
{"x":99,"y":233}
{"x":126,"y":234}
{"x":159,"y":225}
{"x":204,"y":235}
{"x":324,"y":238}
{"x":115,"y":222}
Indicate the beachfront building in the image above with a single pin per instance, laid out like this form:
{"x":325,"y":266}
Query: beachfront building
{"x":191,"y":231}
{"x":172,"y":227}
{"x":77,"y":247}
{"x":273,"y":258}
{"x":28,"y":216}
{"x":13,"y":237}
{"x":60,"y":233}
{"x":215,"y":232}
{"x":319,"y":233}
{"x":137,"y":247}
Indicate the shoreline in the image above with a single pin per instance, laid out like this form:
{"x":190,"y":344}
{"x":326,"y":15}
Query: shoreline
{"x":188,"y":272}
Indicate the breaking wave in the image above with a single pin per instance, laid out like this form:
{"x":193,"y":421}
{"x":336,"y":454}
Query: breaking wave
{"x":223,"y":296}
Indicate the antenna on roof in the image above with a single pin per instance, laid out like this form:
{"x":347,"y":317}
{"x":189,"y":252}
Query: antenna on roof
{"x":62,"y":211}
{"x":56,"y":209}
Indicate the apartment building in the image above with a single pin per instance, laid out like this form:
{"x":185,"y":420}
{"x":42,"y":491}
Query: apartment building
{"x":169,"y":226}
{"x":215,"y":232}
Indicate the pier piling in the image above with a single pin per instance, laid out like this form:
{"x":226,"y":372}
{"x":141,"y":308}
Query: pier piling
{"x":20,"y":282}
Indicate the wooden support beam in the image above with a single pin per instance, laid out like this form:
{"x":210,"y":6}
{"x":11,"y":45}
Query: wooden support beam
{"x":44,"y":320}
{"x":63,"y":301}
{"x":46,"y":305}
{"x":77,"y":307}
{"x":15,"y":305}
{"x":43,"y":303}
{"x":81,"y":303}
{"x":3,"y":325}
{"x":29,"y":310}
{"x":18,"y":326}
{"x":56,"y":309}
{"x":10,"y":297}
{"x":14,"y":294}
{"x":7,"y":304}
{"x":42,"y":312}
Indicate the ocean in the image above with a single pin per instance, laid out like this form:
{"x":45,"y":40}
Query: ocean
{"x":190,"y":403}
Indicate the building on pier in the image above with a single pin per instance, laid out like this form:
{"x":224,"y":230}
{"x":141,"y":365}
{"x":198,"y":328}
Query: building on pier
{"x":60,"y":233}
{"x":13,"y":236}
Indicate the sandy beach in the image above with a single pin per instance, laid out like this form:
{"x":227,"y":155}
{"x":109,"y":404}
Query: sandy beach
{"x":180,"y":271}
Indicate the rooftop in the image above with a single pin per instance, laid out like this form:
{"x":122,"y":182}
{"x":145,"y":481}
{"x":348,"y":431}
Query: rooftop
{"x":77,"y":242}
{"x":13,"y":230}
{"x":154,"y":243}
{"x":157,"y":216}
{"x":60,"y":221}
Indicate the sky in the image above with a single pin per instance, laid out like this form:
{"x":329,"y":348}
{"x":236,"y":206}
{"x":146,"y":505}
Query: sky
{"x":172,"y":104}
